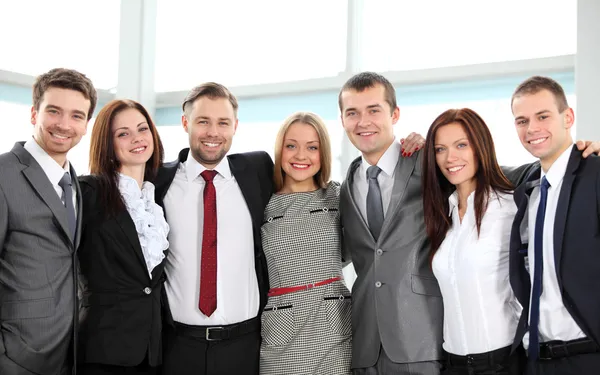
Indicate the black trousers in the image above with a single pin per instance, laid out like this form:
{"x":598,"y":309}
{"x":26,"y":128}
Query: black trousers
{"x":496,"y":362}
{"x":99,"y":369}
{"x":188,"y":352}
{"x":582,"y":364}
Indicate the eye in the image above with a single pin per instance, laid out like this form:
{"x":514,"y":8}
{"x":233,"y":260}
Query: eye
{"x":351,"y":113}
{"x":53,"y":111}
{"x":313,"y":148}
{"x":144,"y":128}
{"x":374,"y":110}
{"x":543,"y":117}
{"x":461,"y":145}
{"x":290,"y":146}
{"x":224,"y":123}
{"x":438,"y":150}
{"x":202,"y":122}
{"x":521,"y":122}
{"x":121,"y":135}
{"x":79,"y":117}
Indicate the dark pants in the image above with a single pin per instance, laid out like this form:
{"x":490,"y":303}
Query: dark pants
{"x":496,"y":362}
{"x":582,"y":364}
{"x":385,"y":366}
{"x":187,"y":352}
{"x":99,"y":369}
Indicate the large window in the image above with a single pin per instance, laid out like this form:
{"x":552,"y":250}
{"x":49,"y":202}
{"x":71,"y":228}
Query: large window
{"x":248,"y":42}
{"x":408,"y":35}
{"x":38,"y":35}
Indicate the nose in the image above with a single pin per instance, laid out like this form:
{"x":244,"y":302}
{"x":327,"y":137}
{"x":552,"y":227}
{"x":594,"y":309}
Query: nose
{"x":451,"y":155}
{"x":211,"y":130}
{"x":533,"y":126}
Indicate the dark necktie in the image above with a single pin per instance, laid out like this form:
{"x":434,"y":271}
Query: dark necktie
{"x":208,"y":269}
{"x":374,"y":203}
{"x":65,"y":184}
{"x":536,"y":290}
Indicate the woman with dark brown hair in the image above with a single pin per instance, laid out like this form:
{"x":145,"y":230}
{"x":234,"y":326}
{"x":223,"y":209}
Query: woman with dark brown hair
{"x":123,"y":245}
{"x":469,"y":211}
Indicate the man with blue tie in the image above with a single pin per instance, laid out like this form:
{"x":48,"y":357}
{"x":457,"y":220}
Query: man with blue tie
{"x":554,"y":262}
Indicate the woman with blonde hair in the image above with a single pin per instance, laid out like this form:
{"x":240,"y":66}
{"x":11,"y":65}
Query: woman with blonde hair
{"x":306,"y":327}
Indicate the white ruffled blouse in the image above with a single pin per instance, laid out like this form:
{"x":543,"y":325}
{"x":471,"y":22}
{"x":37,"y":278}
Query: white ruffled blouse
{"x":148,"y":218}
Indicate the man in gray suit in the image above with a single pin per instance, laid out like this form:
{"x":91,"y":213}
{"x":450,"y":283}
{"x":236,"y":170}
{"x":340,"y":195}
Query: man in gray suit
{"x":40,"y":211}
{"x":397,"y":309}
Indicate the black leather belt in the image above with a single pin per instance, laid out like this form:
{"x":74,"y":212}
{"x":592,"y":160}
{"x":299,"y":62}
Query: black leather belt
{"x":561,"y":349}
{"x":216,"y":333}
{"x":480,"y":359}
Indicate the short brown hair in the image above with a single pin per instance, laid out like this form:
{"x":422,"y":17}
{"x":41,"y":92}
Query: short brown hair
{"x":536,"y":84}
{"x":103,"y":159}
{"x":365,"y":80}
{"x":308,"y":118}
{"x":213,"y":91}
{"x":65,"y":79}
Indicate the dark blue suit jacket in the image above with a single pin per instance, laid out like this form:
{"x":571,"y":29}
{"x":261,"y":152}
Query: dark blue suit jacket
{"x":576,"y":244}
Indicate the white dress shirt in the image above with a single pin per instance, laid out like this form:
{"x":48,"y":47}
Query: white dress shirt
{"x":53,"y":170}
{"x":238,"y":297}
{"x":555,"y":321}
{"x":480,"y":310}
{"x":387,"y":164}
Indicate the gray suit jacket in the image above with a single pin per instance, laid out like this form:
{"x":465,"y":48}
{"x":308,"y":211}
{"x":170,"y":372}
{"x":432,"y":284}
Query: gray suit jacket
{"x":396,"y":299}
{"x":37,"y":278}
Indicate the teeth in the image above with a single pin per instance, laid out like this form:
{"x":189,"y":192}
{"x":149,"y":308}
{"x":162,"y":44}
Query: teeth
{"x":364,"y":134}
{"x":139,"y":149}
{"x":537,"y":141}
{"x":59,"y":136}
{"x":210,"y":144}
{"x":456,"y":169}
{"x":301,"y":166}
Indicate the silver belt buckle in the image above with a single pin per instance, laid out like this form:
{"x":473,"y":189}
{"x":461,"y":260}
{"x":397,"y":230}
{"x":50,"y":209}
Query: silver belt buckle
{"x":208,"y":333}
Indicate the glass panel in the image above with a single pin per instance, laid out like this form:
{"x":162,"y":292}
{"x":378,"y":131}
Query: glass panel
{"x":247,"y":42}
{"x":407,"y":35}
{"x":40,"y":35}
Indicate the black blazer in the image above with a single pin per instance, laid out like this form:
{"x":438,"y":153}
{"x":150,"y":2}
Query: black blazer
{"x":253,"y":172}
{"x":120,"y":320}
{"x":576,"y":244}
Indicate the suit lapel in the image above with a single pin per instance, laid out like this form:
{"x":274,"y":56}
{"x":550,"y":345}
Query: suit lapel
{"x":79,"y":207}
{"x":404,"y":170}
{"x":348,"y":186}
{"x":125,"y":222}
{"x":248,"y":182}
{"x":562,"y":208}
{"x":40,"y":183}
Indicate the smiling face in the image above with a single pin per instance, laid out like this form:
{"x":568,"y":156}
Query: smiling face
{"x":455,"y":156}
{"x":132,"y":139}
{"x":543,"y":130}
{"x":210,"y":124}
{"x":368,"y":121}
{"x":300,"y":155}
{"x":60,"y":121}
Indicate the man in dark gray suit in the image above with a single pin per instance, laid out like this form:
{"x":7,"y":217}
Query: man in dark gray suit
{"x":40,"y":211}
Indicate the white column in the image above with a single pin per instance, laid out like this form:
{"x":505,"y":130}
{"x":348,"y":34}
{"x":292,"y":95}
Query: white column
{"x":137,"y":52}
{"x":587,"y":69}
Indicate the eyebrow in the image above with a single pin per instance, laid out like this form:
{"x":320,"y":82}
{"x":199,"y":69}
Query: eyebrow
{"x":208,"y":118}
{"x":126,"y":128}
{"x":292,"y":139}
{"x":368,"y":107}
{"x":52,"y":106}
{"x":536,"y":114}
{"x":455,"y":142}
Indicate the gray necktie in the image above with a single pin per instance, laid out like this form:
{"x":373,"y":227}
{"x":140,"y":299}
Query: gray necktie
{"x":374,"y":204}
{"x":65,"y":184}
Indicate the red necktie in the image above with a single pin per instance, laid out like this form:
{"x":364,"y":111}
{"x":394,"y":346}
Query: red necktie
{"x":208,"y":269}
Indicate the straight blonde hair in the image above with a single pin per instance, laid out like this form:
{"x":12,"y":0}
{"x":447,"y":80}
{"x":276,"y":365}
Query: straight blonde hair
{"x":308,"y":118}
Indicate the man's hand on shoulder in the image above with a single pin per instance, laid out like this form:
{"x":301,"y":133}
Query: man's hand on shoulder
{"x":588,"y":147}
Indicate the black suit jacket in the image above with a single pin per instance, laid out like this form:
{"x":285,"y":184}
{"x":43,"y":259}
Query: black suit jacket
{"x":120,"y":319}
{"x":576,"y":244}
{"x":253,"y":172}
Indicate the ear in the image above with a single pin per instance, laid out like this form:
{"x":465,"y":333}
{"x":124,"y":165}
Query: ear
{"x":184,"y":122}
{"x":235,"y":125}
{"x":395,"y":115}
{"x":569,"y":118}
{"x":33,"y":115}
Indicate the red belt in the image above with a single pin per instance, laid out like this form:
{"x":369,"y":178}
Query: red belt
{"x":291,"y":289}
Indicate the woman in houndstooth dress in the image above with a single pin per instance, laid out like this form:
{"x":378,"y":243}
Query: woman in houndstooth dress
{"x":306,"y":327}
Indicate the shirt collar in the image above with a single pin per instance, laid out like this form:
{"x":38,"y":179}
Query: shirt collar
{"x":193,"y":168}
{"x":559,"y":167}
{"x":387,"y":162}
{"x":453,"y":200}
{"x":52,"y":169}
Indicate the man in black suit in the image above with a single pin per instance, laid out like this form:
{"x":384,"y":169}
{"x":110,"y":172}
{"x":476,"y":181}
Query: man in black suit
{"x":554,"y":262}
{"x":216,"y":273}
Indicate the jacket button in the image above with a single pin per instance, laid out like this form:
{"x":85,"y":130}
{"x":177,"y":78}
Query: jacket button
{"x":379,"y":252}
{"x":147,"y":290}
{"x":378,"y":284}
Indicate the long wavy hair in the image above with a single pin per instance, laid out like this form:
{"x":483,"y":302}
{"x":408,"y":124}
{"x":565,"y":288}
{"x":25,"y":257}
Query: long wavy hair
{"x":103,"y":159}
{"x":437,"y":189}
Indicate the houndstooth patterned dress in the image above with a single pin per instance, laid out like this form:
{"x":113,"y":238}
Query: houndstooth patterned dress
{"x":305,"y":332}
